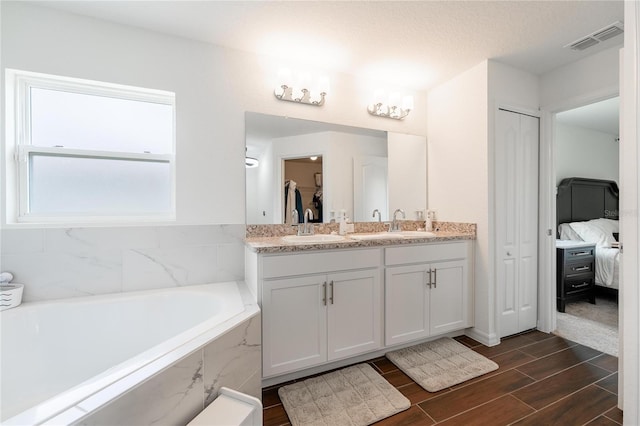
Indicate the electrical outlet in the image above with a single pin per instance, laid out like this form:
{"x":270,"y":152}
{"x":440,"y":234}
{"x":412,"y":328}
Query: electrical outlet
{"x":431,"y":214}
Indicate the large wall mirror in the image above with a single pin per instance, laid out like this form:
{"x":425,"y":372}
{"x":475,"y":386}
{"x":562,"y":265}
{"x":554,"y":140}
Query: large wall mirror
{"x":327,"y":168}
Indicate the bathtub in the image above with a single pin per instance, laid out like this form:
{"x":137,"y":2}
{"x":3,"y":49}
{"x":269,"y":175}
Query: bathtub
{"x":123,"y":358}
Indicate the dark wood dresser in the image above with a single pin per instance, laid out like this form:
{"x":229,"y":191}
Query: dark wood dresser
{"x":575,"y":277}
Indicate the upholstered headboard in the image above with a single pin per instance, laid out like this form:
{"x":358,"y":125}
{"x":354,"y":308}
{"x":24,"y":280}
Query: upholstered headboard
{"x":581,"y":199}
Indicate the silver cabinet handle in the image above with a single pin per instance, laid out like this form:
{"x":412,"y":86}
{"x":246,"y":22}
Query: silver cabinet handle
{"x":324,"y":292}
{"x":581,"y":253}
{"x":435,"y":278}
{"x":429,"y":280}
{"x":331,"y":297}
{"x":582,"y":268}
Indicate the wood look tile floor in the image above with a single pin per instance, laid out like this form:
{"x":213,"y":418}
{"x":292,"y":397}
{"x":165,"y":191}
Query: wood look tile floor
{"x":542,"y":380}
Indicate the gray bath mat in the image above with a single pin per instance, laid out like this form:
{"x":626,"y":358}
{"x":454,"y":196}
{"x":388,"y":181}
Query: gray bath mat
{"x":440,"y":364}
{"x":355,"y":395}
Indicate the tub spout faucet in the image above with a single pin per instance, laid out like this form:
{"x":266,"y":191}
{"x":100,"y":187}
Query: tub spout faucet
{"x":395,"y":225}
{"x":306,"y":228}
{"x":377,"y":212}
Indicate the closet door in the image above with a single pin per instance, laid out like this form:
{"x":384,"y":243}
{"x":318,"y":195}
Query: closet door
{"x":517,"y":140}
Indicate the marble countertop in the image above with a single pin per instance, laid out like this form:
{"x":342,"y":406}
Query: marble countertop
{"x":279,"y":245}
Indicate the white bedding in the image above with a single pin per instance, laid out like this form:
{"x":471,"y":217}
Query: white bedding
{"x":599,"y":232}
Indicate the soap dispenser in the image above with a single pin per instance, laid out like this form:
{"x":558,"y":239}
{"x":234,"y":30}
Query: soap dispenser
{"x":342,"y":220}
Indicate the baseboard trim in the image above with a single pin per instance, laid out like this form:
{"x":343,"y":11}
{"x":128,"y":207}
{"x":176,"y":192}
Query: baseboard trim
{"x":487,"y":339}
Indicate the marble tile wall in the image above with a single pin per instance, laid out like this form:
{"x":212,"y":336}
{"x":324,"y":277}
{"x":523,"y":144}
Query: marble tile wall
{"x":177,"y":394}
{"x":60,"y":263}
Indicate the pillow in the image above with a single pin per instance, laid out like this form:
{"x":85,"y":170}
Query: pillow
{"x":595,"y":231}
{"x":608,"y":224}
{"x":567,"y":232}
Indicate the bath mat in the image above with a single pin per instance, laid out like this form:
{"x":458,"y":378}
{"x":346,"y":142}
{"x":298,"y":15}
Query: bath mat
{"x":355,"y":395}
{"x":441,"y":363}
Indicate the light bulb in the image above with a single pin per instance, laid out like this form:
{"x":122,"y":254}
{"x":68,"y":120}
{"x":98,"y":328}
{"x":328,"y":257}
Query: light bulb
{"x":407,"y":102}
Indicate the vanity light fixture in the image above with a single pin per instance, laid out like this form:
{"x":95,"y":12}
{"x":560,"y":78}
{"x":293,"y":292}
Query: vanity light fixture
{"x":390,"y":107}
{"x":301,"y":88}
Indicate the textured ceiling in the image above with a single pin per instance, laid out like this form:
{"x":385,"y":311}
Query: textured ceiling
{"x":419,"y":43}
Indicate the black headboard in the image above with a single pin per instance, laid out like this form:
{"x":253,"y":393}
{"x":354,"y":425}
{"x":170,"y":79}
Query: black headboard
{"x":581,"y":199}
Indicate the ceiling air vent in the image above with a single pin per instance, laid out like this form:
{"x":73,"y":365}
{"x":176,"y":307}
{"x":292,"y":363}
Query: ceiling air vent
{"x":596,"y":37}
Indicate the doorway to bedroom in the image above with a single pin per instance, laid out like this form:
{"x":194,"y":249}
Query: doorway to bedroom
{"x":586,"y":145}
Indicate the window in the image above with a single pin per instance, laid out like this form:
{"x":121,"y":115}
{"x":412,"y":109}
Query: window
{"x":91,"y":151}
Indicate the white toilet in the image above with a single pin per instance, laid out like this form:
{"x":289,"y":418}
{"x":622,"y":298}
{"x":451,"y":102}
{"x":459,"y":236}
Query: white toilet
{"x":230,"y":408}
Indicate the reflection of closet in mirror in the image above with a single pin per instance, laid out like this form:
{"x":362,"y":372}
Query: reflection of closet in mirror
{"x":306,"y":173}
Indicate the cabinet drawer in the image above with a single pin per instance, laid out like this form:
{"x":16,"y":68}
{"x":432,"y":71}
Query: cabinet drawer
{"x":319,"y":262}
{"x":579,"y":253}
{"x":582,"y":268}
{"x":576,"y":286}
{"x":426,"y":253}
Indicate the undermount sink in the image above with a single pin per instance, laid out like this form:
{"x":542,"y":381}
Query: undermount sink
{"x":417,"y":234}
{"x":376,"y":236}
{"x":392,"y":235}
{"x":313,"y":239}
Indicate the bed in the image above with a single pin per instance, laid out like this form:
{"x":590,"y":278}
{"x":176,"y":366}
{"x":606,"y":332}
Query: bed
{"x":587,"y":210}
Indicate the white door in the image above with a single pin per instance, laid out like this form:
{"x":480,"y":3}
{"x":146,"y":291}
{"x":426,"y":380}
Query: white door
{"x":516,"y":194}
{"x":354,"y":313}
{"x":447,"y":305}
{"x":370,"y":187}
{"x":406,"y":303}
{"x":294,"y":324}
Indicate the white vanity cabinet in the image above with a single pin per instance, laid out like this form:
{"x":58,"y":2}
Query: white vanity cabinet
{"x":428,"y":290}
{"x":319,"y":307}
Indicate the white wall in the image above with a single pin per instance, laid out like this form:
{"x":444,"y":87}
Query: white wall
{"x":458,"y":185}
{"x":214,"y":86}
{"x":581,"y":152}
{"x":593,"y":77}
{"x":460,"y":163}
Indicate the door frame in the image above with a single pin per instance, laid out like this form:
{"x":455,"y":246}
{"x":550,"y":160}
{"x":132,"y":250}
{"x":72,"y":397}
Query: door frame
{"x":547,"y":313}
{"x":547,"y":207}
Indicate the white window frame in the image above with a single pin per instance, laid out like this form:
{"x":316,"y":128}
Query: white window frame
{"x":18,"y":105}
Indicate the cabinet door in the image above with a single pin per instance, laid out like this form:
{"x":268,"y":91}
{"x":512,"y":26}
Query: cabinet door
{"x":294,"y":324}
{"x":406,"y":304}
{"x":354,"y":313}
{"x":448,"y":298}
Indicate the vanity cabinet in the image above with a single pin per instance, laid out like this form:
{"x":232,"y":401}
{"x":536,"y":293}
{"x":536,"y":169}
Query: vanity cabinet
{"x":321,"y":306}
{"x":427,"y":291}
{"x":334,"y":312}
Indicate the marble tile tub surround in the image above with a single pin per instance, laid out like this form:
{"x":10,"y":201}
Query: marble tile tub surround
{"x":265,"y":231}
{"x":177,"y":394}
{"x":56,"y":263}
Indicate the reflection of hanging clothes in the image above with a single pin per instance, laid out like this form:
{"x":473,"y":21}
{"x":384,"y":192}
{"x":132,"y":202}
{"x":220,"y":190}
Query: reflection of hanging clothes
{"x":317,"y":203}
{"x":292,"y":200}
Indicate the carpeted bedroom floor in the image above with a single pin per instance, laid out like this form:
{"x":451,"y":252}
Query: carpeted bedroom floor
{"x":595,"y":326}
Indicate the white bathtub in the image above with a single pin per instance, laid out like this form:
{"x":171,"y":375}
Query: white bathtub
{"x":63,"y":360}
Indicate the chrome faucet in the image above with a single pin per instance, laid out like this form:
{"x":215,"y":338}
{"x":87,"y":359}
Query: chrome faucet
{"x":306,"y":228}
{"x":376,"y":211}
{"x":395,"y":225}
